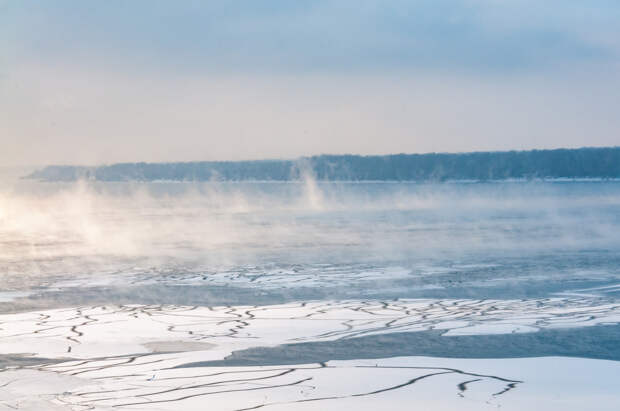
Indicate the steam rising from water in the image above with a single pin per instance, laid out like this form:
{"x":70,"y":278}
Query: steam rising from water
{"x":50,"y":230}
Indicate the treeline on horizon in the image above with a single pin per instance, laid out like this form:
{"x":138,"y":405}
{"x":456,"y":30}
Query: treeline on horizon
{"x":479,"y":166}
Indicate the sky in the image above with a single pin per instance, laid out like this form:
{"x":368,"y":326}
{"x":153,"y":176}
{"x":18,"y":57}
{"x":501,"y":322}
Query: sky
{"x":92,"y":82}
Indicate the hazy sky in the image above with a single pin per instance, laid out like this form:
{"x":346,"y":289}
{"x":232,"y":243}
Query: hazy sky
{"x":105,"y":81}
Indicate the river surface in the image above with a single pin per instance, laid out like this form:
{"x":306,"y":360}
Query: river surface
{"x":277,"y":242}
{"x":323,"y":294}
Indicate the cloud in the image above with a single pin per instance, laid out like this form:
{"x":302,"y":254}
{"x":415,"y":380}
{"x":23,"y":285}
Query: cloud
{"x":92,"y":82}
{"x":315,"y":36}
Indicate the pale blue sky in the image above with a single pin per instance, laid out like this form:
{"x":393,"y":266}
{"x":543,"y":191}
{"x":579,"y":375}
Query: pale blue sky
{"x":102,"y":81}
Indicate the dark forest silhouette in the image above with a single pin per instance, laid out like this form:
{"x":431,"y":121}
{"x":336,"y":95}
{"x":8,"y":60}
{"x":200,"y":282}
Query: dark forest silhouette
{"x":479,"y":166}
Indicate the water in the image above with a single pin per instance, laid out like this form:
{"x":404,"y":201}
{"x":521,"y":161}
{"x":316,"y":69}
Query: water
{"x":298,"y":295}
{"x":259,"y":243}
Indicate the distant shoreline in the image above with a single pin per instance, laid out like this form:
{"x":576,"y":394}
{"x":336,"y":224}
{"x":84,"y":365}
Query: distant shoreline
{"x":582,"y":164}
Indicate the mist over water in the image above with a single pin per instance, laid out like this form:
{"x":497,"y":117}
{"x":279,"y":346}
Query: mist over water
{"x":155,"y":280}
{"x":404,"y":238}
